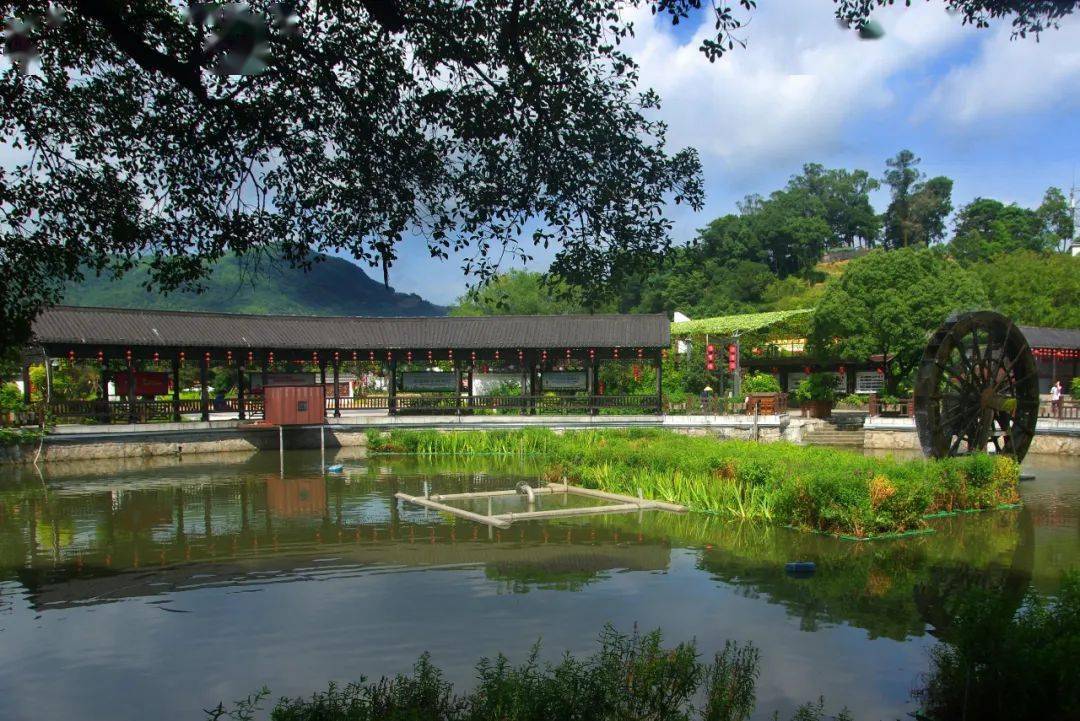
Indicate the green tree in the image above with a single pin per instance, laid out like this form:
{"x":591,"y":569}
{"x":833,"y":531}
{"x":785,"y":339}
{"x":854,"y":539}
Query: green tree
{"x":486,"y":129}
{"x":917,"y":212}
{"x":845,"y":199}
{"x":987,"y":227}
{"x":520,"y":292}
{"x":1033,"y":288}
{"x":1056,"y":218}
{"x":887,"y":303}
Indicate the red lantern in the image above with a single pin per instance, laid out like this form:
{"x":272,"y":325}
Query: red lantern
{"x":640,"y":352}
{"x":314,"y":356}
{"x":543,"y":356}
{"x":615,"y":353}
{"x":408,"y":356}
{"x":354,"y":355}
{"x":156,"y":357}
{"x":228,"y":356}
{"x":807,"y":370}
{"x":371,"y":356}
{"x":206,"y":358}
{"x":592,"y":354}
{"x":472,"y":356}
{"x":430,"y":356}
{"x":251,"y":358}
{"x":880,"y":371}
{"x":496,"y":355}
{"x":450,"y":353}
{"x":389,"y":355}
{"x":101,"y":356}
{"x":841,"y":370}
{"x":732,"y":357}
{"x":567,"y":354}
{"x":182,"y":357}
{"x":337,"y":356}
{"x":71,"y":356}
{"x":637,"y":372}
{"x":269,"y":357}
{"x":710,"y":357}
{"x":521,"y":356}
{"x":127,"y":356}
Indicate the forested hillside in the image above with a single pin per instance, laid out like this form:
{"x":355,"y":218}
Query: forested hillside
{"x":333,"y":286}
{"x":769,"y":255}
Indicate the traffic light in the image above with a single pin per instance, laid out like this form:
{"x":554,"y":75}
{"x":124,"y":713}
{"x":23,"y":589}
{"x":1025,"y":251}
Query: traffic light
{"x":732,"y":357}
{"x":710,"y":357}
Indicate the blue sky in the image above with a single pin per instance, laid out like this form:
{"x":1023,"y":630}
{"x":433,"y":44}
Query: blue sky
{"x":1000,"y":117}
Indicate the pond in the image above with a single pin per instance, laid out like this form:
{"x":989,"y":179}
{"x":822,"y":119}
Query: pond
{"x":156,"y":588}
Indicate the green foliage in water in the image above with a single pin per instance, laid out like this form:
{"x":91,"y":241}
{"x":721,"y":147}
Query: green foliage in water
{"x":1001,"y":663}
{"x":630,"y":677}
{"x":816,"y":489}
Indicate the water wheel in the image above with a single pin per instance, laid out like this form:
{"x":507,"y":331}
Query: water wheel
{"x":977,"y":386}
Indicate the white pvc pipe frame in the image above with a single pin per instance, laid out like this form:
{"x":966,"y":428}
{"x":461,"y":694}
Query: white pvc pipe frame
{"x":625,"y":504}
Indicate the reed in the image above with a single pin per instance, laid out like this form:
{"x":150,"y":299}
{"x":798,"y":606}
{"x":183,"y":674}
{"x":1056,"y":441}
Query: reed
{"x":815,"y":489}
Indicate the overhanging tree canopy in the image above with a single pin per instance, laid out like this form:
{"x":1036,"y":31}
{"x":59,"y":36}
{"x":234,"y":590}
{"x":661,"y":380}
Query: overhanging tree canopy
{"x":483,"y":128}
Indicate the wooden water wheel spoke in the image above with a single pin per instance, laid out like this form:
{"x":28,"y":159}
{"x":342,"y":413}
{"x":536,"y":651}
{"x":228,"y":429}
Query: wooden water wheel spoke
{"x":977,"y":386}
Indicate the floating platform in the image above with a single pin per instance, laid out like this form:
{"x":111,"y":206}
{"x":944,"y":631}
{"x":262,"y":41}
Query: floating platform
{"x":619,"y":504}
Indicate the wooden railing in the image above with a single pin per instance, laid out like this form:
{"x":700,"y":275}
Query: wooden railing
{"x":774,"y":404}
{"x":1067,"y":410}
{"x":104,"y":412}
{"x":899,"y":408}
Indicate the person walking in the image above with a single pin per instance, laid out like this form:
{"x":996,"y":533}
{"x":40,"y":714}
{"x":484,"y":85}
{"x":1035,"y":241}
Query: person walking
{"x":705,"y":398}
{"x":1056,"y":400}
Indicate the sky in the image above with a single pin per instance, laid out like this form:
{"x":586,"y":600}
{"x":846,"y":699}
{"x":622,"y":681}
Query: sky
{"x":1000,"y":117}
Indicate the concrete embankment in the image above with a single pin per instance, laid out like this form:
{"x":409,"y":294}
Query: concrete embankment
{"x":67,"y":443}
{"x":898,"y":434}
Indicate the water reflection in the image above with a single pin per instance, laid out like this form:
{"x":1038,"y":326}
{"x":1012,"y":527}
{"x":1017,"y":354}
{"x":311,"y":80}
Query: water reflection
{"x":333,"y":573}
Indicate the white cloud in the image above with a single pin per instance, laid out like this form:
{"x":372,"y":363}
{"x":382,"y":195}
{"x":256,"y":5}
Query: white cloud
{"x":789,"y":95}
{"x":1007,"y":78}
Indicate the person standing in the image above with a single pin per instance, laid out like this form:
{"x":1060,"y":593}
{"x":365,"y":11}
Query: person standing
{"x":1056,"y":399}
{"x":705,"y":398}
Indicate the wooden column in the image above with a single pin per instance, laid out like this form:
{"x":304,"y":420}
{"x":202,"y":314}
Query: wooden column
{"x":524,"y":386}
{"x":265,"y":369}
{"x":26,"y":383}
{"x":391,"y":387}
{"x":104,"y":415}
{"x":590,"y":391}
{"x":469,"y":383}
{"x":659,"y":382}
{"x":241,"y":407}
{"x":176,"y":387}
{"x":204,"y":389}
{"x":457,"y":388}
{"x":133,"y":416}
{"x":337,"y":390}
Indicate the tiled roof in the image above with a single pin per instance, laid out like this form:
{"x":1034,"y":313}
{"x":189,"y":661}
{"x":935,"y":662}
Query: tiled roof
{"x":63,"y":326}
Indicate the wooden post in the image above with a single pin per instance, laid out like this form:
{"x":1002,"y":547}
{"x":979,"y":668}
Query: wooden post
{"x":469,"y":381}
{"x":104,"y":414}
{"x":590,"y":390}
{"x":133,"y":416}
{"x":26,"y":383}
{"x":659,"y":382}
{"x":457,"y":389}
{"x":204,"y":389}
{"x":524,"y":387}
{"x":337,"y":388}
{"x":392,"y":386}
{"x":265,"y":369}
{"x":322,"y":382}
{"x":241,"y":408}
{"x":176,"y":387}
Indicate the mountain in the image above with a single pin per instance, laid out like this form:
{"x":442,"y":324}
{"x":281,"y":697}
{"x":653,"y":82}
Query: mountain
{"x":333,"y":286}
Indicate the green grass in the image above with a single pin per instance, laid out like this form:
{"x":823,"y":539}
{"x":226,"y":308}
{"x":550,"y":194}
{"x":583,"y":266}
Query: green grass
{"x":813,"y":489}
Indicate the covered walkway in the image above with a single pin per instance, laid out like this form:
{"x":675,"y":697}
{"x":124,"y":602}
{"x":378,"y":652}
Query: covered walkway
{"x":430,"y":365}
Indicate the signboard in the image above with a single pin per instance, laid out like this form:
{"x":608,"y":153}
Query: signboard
{"x":563,"y":381}
{"x":147,"y":383}
{"x":429,"y":381}
{"x":255,"y":384}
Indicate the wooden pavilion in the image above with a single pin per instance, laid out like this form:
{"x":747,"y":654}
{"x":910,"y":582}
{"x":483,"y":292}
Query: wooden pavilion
{"x":548,"y":353}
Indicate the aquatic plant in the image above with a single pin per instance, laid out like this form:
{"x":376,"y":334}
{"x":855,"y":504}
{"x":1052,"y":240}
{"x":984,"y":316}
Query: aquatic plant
{"x":630,"y":677}
{"x":1008,"y":657}
{"x":815,"y":489}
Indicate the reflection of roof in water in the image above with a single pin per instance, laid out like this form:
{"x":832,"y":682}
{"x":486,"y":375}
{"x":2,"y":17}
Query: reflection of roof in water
{"x":531,"y":563}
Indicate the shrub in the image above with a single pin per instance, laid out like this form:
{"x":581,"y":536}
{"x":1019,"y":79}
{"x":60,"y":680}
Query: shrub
{"x":854,"y":399}
{"x":1074,"y":388}
{"x":630,"y":677}
{"x":760,"y":382}
{"x":1001,"y":662}
{"x":817,"y":387}
{"x":11,"y":399}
